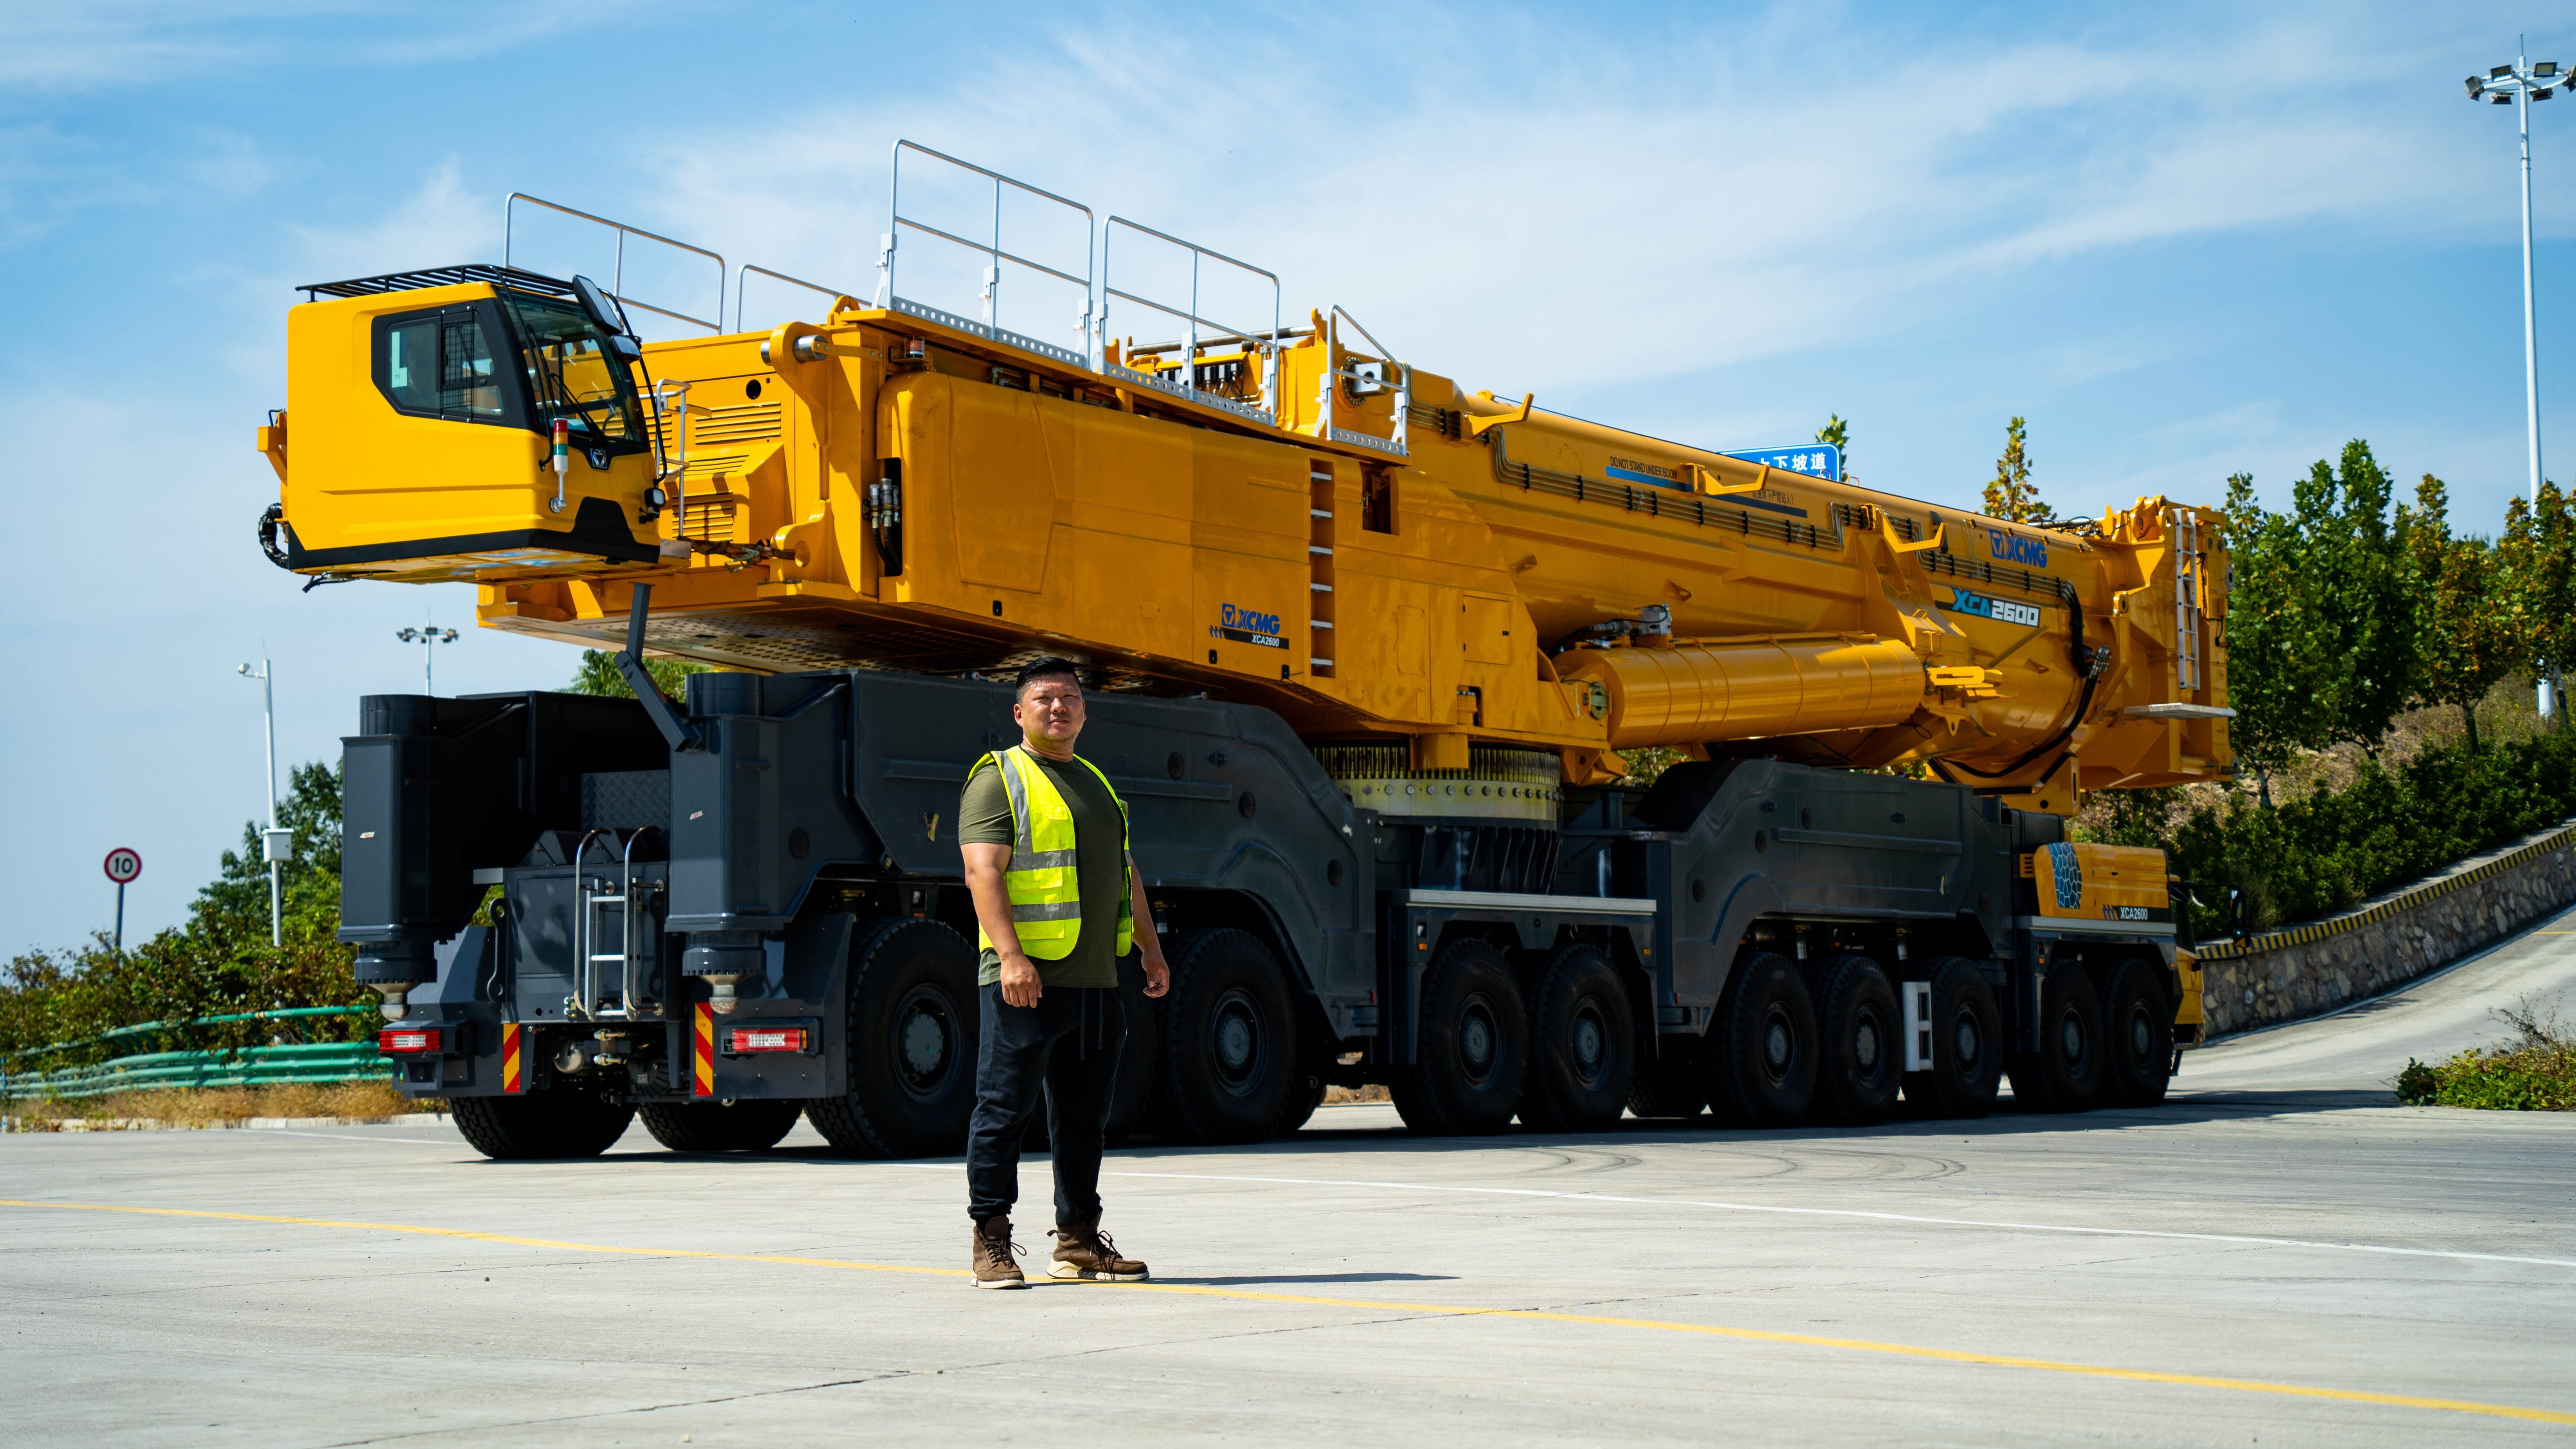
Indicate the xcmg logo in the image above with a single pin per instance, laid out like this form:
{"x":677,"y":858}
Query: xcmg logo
{"x":2013,"y":548}
{"x":1232,"y":617}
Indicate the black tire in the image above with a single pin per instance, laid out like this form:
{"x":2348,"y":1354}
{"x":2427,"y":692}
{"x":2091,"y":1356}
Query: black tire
{"x":1760,"y":1060}
{"x":1861,"y":1037}
{"x":752,"y":1126}
{"x":558,"y":1121}
{"x":1671,"y":1085}
{"x":1471,"y":1059}
{"x":2137,"y":1036}
{"x":1967,"y":1045}
{"x":1583,"y":1045}
{"x":1304,"y":1096}
{"x":1229,"y":1042}
{"x":2066,"y":1073}
{"x":914,"y":1020}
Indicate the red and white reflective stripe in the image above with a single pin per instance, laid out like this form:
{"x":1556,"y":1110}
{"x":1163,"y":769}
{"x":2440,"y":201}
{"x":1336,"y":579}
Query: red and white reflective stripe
{"x":407,"y":1039}
{"x":765,"y":1039}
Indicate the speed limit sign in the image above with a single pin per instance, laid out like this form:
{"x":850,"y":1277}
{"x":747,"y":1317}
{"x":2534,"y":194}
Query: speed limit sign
{"x":123,"y":865}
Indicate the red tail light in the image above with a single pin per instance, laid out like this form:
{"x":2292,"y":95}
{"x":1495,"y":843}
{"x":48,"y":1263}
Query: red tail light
{"x":405,"y":1040}
{"x":765,"y":1039}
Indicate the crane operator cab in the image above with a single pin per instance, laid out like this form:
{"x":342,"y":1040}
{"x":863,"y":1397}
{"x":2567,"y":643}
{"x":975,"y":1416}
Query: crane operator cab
{"x":462,"y":422}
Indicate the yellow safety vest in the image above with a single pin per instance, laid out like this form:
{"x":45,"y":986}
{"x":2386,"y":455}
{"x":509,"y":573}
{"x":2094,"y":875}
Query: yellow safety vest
{"x":1044,"y":882}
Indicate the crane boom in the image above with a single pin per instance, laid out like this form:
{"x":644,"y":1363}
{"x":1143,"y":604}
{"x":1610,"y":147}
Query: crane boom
{"x":1292,"y":520}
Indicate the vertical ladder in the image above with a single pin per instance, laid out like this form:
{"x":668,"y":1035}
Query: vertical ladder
{"x":2188,"y":567}
{"x":588,"y":904}
{"x":1319,"y":568}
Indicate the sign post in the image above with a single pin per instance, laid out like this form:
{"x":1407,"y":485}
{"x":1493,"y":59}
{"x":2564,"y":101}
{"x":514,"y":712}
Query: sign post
{"x":123,"y":866}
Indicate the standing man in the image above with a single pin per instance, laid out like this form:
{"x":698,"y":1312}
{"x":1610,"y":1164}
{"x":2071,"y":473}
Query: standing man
{"x":1057,"y":902}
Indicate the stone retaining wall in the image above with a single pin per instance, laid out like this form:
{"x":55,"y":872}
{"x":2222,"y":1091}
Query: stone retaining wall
{"x":2393,"y":938}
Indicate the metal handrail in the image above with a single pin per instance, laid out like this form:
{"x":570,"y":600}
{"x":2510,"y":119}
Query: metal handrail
{"x":668,"y":463}
{"x":886,"y":297}
{"x":617,"y":278}
{"x":1403,"y":386}
{"x":579,"y":1008}
{"x":742,"y":273}
{"x":626,"y":931}
{"x":1189,"y":357}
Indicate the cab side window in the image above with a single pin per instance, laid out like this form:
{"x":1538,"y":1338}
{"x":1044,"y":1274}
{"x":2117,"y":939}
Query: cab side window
{"x":440,"y":364}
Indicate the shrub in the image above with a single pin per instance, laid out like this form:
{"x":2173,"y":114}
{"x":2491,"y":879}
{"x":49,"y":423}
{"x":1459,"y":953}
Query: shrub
{"x":219,"y":963}
{"x":2535,"y":1072}
{"x":2331,"y":848}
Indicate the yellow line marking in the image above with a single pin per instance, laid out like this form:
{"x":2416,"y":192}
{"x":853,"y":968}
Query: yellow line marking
{"x":1444,"y":1310}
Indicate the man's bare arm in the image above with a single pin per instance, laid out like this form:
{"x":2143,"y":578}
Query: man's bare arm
{"x":985,"y":864}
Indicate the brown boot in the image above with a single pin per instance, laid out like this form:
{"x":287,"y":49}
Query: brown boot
{"x":993,"y":1251}
{"x":1083,"y":1251}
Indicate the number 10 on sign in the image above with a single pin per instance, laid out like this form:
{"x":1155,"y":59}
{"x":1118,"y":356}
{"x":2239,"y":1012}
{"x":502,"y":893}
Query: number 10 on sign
{"x":122,"y":867}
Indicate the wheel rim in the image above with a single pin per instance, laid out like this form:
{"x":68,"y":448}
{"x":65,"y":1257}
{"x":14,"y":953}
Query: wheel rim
{"x":1969,"y":1041}
{"x":1779,"y":1044}
{"x":1591,"y":1044}
{"x":1236,"y":1041}
{"x":2070,"y":1039}
{"x":2142,"y":1034}
{"x":1479,"y":1041}
{"x":1865,"y":1044}
{"x":925,"y":1044}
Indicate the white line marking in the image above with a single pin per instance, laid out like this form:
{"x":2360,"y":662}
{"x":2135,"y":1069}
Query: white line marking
{"x":1747,"y":1207}
{"x":353,"y":1137}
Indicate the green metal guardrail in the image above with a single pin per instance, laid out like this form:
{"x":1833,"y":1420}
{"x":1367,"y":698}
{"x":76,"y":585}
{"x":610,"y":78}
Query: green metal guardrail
{"x":278,"y":1065}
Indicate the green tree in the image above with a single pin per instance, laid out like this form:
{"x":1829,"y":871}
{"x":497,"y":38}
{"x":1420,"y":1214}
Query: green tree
{"x":2536,"y":567}
{"x":219,"y":960}
{"x":2468,"y":637}
{"x":2012,"y":496}
{"x":312,"y":810}
{"x":2272,"y":680}
{"x":598,"y":675}
{"x":2359,"y":618}
{"x":1837,"y":431}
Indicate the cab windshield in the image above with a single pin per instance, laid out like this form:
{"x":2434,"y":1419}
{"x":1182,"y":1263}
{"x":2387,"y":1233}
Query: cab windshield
{"x":572,"y":375}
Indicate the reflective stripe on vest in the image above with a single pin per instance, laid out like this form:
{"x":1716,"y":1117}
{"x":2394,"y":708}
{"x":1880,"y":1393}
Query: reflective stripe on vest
{"x":1043,"y":879}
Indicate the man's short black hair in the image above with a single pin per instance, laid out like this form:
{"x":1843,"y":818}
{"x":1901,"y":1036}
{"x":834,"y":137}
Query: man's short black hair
{"x":1050,"y":667}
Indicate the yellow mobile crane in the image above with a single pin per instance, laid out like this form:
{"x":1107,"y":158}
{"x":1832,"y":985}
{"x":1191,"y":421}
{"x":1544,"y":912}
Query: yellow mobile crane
{"x":1430,"y":621}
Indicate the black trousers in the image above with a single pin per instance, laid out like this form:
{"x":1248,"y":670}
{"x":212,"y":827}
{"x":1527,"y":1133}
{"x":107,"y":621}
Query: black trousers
{"x":1068,"y":1046}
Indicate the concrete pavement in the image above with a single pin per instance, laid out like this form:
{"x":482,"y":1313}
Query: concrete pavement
{"x":2275,"y":1257}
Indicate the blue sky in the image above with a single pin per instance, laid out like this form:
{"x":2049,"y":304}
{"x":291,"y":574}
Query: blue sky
{"x":2182,"y":240}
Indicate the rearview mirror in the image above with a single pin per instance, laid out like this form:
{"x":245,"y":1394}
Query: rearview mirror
{"x":603,"y":309}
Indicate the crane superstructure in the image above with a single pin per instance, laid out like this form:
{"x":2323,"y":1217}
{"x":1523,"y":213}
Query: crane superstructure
{"x":1462,"y":608}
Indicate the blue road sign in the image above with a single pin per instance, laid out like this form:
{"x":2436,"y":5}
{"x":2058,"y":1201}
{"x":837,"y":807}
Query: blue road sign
{"x":1816,"y":460}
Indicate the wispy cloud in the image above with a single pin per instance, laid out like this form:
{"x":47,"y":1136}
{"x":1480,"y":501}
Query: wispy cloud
{"x":49,"y":176}
{"x":123,"y":45}
{"x":438,"y":222}
{"x":1681,"y":207}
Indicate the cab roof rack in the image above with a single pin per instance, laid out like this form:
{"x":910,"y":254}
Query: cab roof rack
{"x":439,"y":277}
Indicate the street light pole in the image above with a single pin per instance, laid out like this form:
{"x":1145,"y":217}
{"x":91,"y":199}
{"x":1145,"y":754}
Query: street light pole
{"x":268,"y":848}
{"x":2519,"y":84}
{"x":428,"y":639}
{"x":2530,"y":332}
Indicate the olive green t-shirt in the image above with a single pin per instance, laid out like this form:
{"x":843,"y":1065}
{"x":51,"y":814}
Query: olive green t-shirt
{"x":1099,"y":840}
